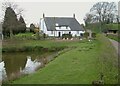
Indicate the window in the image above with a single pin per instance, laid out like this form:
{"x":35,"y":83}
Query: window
{"x":56,"y":24}
{"x":69,"y":32}
{"x":60,"y":27}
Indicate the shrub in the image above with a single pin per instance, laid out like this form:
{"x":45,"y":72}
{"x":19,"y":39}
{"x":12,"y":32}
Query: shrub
{"x":25,"y":36}
{"x":11,"y":50}
{"x":44,"y":35}
{"x":38,"y":48}
{"x":33,"y":48}
{"x":86,"y":34}
{"x":67,"y":36}
{"x":93,"y":35}
{"x":37,"y":35}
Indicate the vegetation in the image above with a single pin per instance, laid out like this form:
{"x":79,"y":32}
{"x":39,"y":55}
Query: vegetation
{"x":81,"y":65}
{"x":94,"y":35}
{"x":114,"y":37}
{"x":87,"y":62}
{"x":112,"y":26}
{"x":32,"y":27}
{"x":69,"y":36}
{"x":32,"y":48}
{"x":22,"y":25}
{"x":11,"y":25}
{"x":86,"y":34}
{"x":25,"y":36}
{"x":101,"y":15}
{"x":95,"y":27}
{"x":10,"y":22}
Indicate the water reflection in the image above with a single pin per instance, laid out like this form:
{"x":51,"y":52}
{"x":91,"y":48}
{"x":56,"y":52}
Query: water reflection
{"x":14,"y":62}
{"x":18,"y":64}
{"x":3,"y":74}
{"x":30,"y":66}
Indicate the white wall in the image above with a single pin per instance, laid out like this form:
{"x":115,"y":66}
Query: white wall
{"x":56,"y":33}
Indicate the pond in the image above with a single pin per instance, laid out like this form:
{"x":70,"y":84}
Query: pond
{"x":16,"y":62}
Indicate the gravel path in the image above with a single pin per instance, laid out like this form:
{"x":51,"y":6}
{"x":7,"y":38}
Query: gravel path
{"x":116,"y":45}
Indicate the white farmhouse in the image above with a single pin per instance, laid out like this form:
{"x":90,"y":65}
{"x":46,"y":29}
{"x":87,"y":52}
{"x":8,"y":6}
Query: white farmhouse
{"x":56,"y":26}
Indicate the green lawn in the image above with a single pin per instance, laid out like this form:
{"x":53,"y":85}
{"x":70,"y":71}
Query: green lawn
{"x":81,"y":65}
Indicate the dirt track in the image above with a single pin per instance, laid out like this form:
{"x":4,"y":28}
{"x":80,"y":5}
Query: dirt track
{"x":116,"y":45}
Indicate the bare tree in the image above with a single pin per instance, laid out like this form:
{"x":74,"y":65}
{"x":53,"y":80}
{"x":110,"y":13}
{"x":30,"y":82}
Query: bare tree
{"x":88,"y":19}
{"x":13,"y":5}
{"x":104,"y":11}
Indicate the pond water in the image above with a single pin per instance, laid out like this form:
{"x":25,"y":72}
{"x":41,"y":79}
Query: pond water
{"x":16,"y":62}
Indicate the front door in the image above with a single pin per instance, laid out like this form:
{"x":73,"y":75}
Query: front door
{"x":58,"y":34}
{"x":69,"y":32}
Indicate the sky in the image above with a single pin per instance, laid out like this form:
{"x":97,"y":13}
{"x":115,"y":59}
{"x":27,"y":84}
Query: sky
{"x":34,"y":9}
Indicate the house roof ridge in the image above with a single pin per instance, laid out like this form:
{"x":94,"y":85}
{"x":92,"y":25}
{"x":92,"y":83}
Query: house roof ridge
{"x":60,"y":17}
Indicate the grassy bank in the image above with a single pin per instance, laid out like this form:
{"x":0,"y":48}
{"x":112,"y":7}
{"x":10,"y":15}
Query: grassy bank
{"x":108,"y":60}
{"x":36,"y":45}
{"x":81,"y":65}
{"x":114,"y":37}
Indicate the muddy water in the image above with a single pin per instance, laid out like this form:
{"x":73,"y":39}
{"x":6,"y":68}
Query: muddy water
{"x":14,"y":62}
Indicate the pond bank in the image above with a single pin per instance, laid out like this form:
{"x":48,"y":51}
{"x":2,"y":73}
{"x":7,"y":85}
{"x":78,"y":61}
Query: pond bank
{"x":81,"y":65}
{"x":43,"y":60}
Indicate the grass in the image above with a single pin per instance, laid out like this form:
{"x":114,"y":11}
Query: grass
{"x":24,"y":36}
{"x":108,"y":60}
{"x":18,"y":44}
{"x":81,"y":65}
{"x":113,"y":26}
{"x":96,"y":27}
{"x":114,"y":37}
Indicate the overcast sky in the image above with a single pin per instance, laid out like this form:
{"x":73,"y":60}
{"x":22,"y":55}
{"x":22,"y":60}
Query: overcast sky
{"x":33,"y":11}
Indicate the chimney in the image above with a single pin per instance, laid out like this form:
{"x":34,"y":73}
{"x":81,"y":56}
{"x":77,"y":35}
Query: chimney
{"x":43,"y":15}
{"x":74,"y":15}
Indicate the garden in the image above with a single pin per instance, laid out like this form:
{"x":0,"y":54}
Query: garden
{"x":84,"y":63}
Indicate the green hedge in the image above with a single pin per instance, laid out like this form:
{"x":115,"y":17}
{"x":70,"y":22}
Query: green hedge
{"x":33,"y":48}
{"x":94,"y":35}
{"x":86,"y":34}
{"x":67,"y":36}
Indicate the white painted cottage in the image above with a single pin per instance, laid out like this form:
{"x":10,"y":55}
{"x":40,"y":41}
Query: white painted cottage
{"x":56,"y":26}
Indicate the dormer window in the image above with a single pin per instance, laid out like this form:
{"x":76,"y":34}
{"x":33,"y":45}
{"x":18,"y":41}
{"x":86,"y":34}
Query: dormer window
{"x":56,"y":24}
{"x":66,"y":27}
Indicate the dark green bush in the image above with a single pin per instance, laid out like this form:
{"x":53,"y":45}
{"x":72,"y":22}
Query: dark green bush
{"x":38,"y":48}
{"x":33,"y":48}
{"x":86,"y":34}
{"x":67,"y":36}
{"x":12,"y":49}
{"x":93,"y":35}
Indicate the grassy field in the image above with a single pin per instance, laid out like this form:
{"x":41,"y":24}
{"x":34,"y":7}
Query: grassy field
{"x":96,"y":27}
{"x":81,"y":65}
